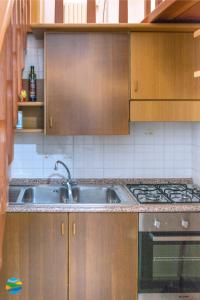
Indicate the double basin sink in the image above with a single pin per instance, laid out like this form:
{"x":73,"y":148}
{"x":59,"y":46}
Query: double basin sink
{"x":82,"y":194}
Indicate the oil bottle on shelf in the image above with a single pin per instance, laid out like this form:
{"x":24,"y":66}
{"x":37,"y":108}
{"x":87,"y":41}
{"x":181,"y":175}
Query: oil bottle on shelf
{"x":32,"y":85}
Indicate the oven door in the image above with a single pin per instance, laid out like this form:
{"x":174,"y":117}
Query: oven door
{"x":169,"y":263}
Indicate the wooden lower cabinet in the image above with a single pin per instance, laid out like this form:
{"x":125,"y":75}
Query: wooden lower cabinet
{"x":36,"y":251}
{"x":94,"y":254}
{"x":103,"y":256}
{"x":165,"y":111}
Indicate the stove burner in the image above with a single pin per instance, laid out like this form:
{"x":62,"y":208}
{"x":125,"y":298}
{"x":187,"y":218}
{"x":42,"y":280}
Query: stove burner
{"x":164,"y":193}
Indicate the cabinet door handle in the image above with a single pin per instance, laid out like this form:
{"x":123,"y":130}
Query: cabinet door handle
{"x":73,"y":228}
{"x":51,"y":122}
{"x":62,"y":228}
{"x":136,"y":86}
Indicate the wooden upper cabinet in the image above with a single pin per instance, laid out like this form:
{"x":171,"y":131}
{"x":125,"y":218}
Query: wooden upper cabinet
{"x":162,"y":66}
{"x":103,"y":256}
{"x":87,"y":83}
{"x":197,"y":56}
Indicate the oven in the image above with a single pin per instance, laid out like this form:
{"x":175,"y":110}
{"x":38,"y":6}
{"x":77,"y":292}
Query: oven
{"x":169,"y":256}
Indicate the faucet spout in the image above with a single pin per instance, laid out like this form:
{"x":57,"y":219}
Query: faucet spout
{"x":69,"y":179}
{"x":65,"y":166}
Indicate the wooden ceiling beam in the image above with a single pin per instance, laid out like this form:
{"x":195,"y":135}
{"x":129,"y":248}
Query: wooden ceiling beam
{"x":158,"y":2}
{"x":169,"y":10}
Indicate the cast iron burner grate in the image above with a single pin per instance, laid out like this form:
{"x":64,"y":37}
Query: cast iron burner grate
{"x":164,"y":193}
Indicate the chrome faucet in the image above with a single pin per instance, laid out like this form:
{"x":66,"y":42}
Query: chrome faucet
{"x":69,"y":179}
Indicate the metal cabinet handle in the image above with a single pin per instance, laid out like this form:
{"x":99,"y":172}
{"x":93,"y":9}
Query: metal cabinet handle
{"x":136,"y":86}
{"x":73,"y":228}
{"x":176,"y":238}
{"x":62,"y":228}
{"x":51,"y":122}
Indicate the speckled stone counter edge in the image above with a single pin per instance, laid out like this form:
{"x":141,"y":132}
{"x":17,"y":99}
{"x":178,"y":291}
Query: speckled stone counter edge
{"x":31,"y":181}
{"x":171,"y":208}
{"x":137,"y":208}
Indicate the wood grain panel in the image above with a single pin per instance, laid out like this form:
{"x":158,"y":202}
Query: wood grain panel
{"x":2,"y":226}
{"x":3,"y":167}
{"x":162,"y":66}
{"x":103,"y":253}
{"x":6,"y":7}
{"x":91,"y":11}
{"x":58,"y":11}
{"x":9,"y":95}
{"x":170,"y":10}
{"x":12,"y":43}
{"x":87,"y":89}
{"x":158,"y":2}
{"x":147,"y":7}
{"x":165,"y":111}
{"x":35,"y":11}
{"x":123,"y":11}
{"x":36,"y":251}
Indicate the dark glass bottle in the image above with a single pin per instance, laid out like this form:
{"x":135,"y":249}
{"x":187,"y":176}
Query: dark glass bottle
{"x":32,"y":85}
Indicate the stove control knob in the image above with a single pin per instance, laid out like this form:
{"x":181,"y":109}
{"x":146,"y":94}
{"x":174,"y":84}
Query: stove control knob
{"x":185,"y":224}
{"x":156,"y":223}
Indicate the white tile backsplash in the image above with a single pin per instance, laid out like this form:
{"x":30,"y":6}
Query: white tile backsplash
{"x":151,"y":150}
{"x":196,"y":152}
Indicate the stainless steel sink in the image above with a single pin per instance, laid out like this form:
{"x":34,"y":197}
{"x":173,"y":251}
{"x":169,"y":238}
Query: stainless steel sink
{"x":95,"y":194}
{"x":43,"y":195}
{"x":82,"y":194}
{"x":14,"y":194}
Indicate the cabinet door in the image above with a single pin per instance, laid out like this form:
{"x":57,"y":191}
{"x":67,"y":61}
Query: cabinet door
{"x":165,"y":111}
{"x":103,"y":256}
{"x":162,"y":66}
{"x":87,"y":83}
{"x":36,"y":251}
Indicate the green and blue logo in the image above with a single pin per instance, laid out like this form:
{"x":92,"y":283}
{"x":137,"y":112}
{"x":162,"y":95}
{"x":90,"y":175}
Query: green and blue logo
{"x":14,"y":286}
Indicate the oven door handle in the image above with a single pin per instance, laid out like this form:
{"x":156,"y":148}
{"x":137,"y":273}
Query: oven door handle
{"x":176,"y":238}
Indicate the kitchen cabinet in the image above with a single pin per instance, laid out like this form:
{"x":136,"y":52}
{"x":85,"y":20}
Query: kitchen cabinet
{"x":162,"y":66}
{"x":103,"y":256}
{"x":87,"y":83}
{"x":165,"y":111}
{"x":36,"y":251}
{"x":75,"y":256}
{"x":197,"y":54}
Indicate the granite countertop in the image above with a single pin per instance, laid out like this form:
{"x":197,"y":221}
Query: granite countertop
{"x":132,"y":207}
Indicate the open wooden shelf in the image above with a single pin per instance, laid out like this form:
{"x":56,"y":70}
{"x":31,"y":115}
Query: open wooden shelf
{"x":27,"y":130}
{"x":30,"y":104}
{"x":39,"y":29}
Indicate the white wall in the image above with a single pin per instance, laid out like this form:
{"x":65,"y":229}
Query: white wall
{"x":151,"y":150}
{"x":196,"y":153}
{"x":135,"y":10}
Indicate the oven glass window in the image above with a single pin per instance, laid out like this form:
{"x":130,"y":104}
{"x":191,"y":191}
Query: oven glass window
{"x":167,"y":265}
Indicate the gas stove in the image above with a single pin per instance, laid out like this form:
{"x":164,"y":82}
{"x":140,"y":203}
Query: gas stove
{"x":164,"y":193}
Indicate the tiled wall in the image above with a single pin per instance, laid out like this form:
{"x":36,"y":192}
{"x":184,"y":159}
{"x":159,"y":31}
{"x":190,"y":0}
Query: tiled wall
{"x":34,"y":57}
{"x":151,"y":150}
{"x":196,"y":153}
